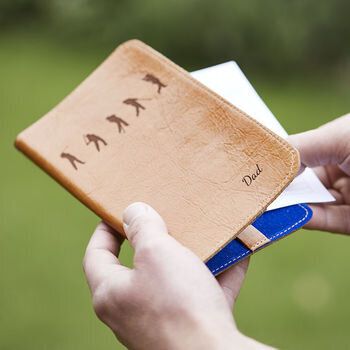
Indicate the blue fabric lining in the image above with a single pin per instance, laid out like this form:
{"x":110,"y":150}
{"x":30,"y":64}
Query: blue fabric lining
{"x":274,"y":224}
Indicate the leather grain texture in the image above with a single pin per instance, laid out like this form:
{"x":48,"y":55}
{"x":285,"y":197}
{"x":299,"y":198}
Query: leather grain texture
{"x":140,"y":128}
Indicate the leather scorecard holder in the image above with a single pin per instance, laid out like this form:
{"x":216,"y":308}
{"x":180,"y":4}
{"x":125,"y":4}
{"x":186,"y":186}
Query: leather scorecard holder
{"x":140,"y":128}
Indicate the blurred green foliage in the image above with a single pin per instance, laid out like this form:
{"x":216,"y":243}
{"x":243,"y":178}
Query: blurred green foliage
{"x":272,"y":35}
{"x":295,"y":53}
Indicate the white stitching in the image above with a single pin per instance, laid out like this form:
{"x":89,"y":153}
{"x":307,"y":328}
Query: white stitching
{"x":274,"y":236}
{"x":261,"y":242}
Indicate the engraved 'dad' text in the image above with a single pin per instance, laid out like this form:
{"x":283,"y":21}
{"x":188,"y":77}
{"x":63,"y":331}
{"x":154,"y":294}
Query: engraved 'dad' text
{"x":248,"y":179}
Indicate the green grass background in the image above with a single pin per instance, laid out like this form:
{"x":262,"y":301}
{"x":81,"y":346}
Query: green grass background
{"x":296,"y":294}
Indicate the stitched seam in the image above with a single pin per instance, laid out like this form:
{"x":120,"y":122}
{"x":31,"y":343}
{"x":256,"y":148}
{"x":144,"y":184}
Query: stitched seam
{"x":295,"y":224}
{"x":274,"y":236}
{"x":231,"y":261}
{"x":257,"y":244}
{"x":221,"y":101}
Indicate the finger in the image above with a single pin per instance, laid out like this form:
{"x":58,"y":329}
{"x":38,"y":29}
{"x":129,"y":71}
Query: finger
{"x":143,"y":225}
{"x":338,"y":197}
{"x":329,"y":174}
{"x":232,"y":279}
{"x":101,"y":255}
{"x":332,"y":218}
{"x":342,"y":185}
{"x":321,"y":173}
{"x":325,"y":145}
{"x":334,"y":173}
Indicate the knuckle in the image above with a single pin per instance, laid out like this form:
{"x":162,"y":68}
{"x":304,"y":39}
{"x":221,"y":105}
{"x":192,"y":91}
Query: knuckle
{"x":153,"y":247}
{"x":85,"y":260}
{"x":100,"y":308}
{"x":101,"y":301}
{"x":147,"y":250}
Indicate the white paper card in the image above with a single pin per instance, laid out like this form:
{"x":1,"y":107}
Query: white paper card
{"x":228,"y":81}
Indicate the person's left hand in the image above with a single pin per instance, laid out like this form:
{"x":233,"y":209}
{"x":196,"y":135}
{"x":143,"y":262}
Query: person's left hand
{"x":170,"y":299}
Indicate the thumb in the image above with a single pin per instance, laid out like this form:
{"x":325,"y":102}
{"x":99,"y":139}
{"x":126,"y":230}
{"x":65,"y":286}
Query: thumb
{"x":143,"y":225}
{"x":328,"y":144}
{"x":232,"y":279}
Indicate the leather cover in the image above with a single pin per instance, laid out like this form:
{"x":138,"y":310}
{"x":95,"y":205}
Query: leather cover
{"x":140,"y":128}
{"x":273,"y":224}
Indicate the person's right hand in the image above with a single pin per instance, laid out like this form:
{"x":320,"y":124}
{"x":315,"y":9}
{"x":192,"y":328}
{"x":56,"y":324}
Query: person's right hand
{"x":169,"y":299}
{"x":327,"y":150}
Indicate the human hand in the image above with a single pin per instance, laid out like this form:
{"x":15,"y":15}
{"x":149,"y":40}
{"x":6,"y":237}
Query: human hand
{"x":169,"y":300}
{"x":327,"y":150}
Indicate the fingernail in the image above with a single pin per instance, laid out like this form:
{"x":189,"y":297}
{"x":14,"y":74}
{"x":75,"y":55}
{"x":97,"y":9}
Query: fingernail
{"x":134,"y":210}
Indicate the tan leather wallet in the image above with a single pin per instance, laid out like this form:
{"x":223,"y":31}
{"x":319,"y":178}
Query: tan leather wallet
{"x":140,"y":128}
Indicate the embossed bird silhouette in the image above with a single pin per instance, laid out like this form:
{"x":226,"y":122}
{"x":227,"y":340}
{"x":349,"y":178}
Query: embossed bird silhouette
{"x":119,"y":121}
{"x":154,"y":80}
{"x":95,"y":139}
{"x":134,"y":102}
{"x":72,"y":159}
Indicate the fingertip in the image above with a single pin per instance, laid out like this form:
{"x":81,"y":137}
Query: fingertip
{"x":133,"y":210}
{"x":141,"y":218}
{"x":300,"y":140}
